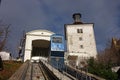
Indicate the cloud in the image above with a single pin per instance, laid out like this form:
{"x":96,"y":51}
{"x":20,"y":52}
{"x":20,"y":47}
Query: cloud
{"x":53,"y":14}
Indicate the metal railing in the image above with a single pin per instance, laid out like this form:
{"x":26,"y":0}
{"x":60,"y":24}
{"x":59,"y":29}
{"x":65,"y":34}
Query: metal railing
{"x":57,"y":70}
{"x":74,"y":73}
{"x":81,"y":74}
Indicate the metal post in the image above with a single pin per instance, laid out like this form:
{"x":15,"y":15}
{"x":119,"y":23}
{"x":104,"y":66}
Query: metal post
{"x":66,"y":69}
{"x":81,"y":73}
{"x":86,"y":73}
{"x":89,"y":77}
{"x":76,"y":75}
{"x":57,"y":66}
{"x":50,"y":64}
{"x":76,"y":72}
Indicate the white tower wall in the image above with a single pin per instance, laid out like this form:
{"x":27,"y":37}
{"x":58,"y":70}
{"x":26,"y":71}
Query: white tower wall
{"x":81,"y":44}
{"x":80,"y":39}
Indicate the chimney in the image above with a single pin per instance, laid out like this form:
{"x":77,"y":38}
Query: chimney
{"x":76,"y":17}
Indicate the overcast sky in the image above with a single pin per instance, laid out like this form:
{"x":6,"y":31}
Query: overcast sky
{"x":53,"y":14}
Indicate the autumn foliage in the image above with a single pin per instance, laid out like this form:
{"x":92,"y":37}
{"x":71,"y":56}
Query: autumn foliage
{"x":9,"y":68}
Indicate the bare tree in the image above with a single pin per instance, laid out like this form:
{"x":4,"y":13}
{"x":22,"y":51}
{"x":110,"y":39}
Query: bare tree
{"x":111,"y":53}
{"x":3,"y":36}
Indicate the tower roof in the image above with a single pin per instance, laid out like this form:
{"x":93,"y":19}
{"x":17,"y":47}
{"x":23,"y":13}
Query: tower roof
{"x":77,"y":17}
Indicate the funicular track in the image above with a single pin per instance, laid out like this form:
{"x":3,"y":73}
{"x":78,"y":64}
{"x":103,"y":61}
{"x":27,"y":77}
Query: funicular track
{"x":33,"y":71}
{"x":48,"y":74}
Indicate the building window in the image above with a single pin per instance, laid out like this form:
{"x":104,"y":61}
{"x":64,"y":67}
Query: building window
{"x":81,"y":46}
{"x":80,"y":38}
{"x":79,"y":31}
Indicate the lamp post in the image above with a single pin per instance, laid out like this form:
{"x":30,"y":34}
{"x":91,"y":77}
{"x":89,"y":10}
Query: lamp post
{"x":57,"y":59}
{"x":20,"y":51}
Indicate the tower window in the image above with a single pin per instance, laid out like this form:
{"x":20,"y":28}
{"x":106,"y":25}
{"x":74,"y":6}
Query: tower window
{"x":79,"y":31}
{"x":81,"y":46}
{"x":80,"y":38}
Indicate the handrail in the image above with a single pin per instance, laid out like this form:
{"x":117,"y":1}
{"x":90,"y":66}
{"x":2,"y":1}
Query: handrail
{"x":59,"y":73}
{"x":86,"y":73}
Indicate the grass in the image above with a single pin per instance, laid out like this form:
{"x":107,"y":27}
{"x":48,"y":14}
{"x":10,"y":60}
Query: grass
{"x":9,"y":68}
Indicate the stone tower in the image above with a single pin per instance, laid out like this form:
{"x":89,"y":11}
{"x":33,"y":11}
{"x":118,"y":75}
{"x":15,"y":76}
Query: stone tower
{"x":80,"y":41}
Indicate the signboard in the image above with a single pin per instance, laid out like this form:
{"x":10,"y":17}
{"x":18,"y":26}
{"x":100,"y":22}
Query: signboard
{"x":57,"y":39}
{"x":57,"y":43}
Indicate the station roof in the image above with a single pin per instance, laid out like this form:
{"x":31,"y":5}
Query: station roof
{"x":40,"y":32}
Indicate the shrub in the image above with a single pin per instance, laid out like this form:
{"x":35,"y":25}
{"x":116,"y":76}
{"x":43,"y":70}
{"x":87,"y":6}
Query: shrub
{"x":101,"y":70}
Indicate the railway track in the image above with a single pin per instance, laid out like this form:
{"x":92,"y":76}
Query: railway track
{"x":33,"y":71}
{"x":37,"y":71}
{"x":42,"y":71}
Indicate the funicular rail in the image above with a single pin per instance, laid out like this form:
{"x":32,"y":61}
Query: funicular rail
{"x":40,"y":71}
{"x":49,"y":74}
{"x":33,"y":71}
{"x":36,"y":73}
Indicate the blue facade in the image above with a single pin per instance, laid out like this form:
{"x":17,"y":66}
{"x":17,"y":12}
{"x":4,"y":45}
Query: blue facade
{"x":57,"y":62}
{"x":57,"y":51}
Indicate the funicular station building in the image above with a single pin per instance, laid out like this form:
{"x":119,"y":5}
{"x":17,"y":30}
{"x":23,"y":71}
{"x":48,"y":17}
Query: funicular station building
{"x":37,"y":43}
